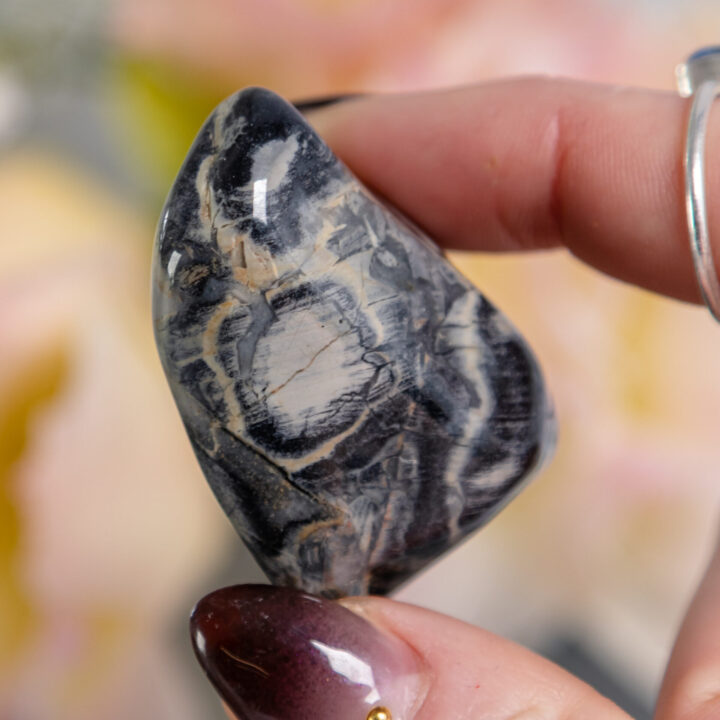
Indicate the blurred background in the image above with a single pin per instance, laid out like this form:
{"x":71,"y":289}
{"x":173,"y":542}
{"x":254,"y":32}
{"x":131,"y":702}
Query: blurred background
{"x":108,"y":532}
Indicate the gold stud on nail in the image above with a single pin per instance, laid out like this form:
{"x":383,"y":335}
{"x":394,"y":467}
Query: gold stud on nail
{"x":379,"y":713}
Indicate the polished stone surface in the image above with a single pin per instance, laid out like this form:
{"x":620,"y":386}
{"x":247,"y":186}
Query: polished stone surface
{"x":356,"y":405}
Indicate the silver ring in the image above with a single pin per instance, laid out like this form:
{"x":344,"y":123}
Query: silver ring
{"x":699,"y":78}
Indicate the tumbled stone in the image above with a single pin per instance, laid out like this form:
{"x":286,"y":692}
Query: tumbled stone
{"x":357,"y":406}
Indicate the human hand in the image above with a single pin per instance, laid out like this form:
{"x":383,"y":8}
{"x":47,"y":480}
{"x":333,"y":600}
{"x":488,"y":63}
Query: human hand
{"x":507,"y":166}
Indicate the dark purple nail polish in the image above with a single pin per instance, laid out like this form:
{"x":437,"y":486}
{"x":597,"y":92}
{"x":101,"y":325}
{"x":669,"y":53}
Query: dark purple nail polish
{"x":278,"y":654}
{"x":309,"y":104}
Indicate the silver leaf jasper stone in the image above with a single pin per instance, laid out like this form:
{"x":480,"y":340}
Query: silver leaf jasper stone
{"x":357,"y":406}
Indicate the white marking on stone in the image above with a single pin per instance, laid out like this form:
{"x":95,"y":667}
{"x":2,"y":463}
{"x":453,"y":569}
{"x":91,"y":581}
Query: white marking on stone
{"x":326,"y":449}
{"x":494,"y":477}
{"x":461,"y":332}
{"x":236,"y":128}
{"x":373,"y":236}
{"x":205,"y":196}
{"x":259,"y":200}
{"x":387,"y":258}
{"x":305,"y":366}
{"x":272,"y":161}
{"x":261,"y":273}
{"x":236,"y":422}
{"x":172,"y":264}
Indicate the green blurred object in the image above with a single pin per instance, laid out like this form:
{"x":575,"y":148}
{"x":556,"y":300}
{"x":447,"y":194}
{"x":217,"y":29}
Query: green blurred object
{"x":159,"y":111}
{"x":30,"y":393}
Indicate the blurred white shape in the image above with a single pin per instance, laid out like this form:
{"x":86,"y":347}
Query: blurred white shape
{"x":13,"y":102}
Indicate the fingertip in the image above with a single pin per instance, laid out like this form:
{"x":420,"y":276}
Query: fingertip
{"x":475,"y":673}
{"x":274,"y":652}
{"x":534,"y":163}
{"x":691,"y":686}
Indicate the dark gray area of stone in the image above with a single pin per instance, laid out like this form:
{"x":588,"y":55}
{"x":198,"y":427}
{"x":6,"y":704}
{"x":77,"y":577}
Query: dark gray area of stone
{"x":357,"y":406}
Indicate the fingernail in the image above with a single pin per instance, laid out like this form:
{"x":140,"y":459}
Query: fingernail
{"x":278,"y":654}
{"x":309,"y":104}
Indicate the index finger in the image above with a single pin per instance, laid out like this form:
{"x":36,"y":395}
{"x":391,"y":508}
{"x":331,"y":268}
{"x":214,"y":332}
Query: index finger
{"x":536,"y":163}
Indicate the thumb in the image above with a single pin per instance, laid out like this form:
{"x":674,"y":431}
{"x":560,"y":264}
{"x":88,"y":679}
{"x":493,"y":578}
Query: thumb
{"x":275,"y":653}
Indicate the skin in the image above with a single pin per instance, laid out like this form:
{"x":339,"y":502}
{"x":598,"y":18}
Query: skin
{"x":521,"y":165}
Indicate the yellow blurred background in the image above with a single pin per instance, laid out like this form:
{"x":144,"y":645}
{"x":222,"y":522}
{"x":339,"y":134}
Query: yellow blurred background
{"x":108,"y":532}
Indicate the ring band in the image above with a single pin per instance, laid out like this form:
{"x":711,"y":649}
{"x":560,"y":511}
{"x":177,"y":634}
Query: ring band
{"x":699,"y":78}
